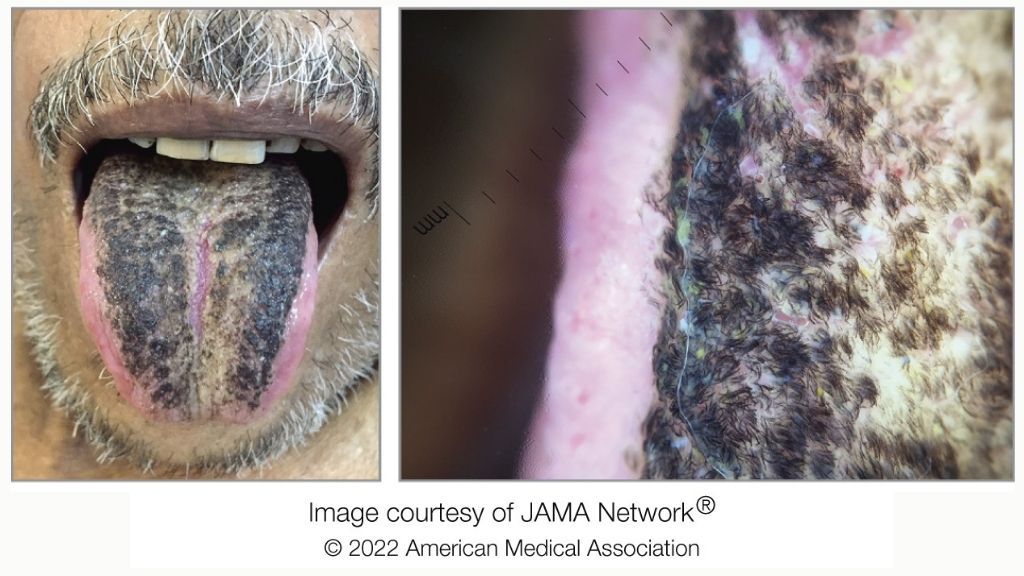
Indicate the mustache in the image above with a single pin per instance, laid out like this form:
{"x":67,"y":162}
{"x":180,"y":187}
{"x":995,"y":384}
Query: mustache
{"x":226,"y":54}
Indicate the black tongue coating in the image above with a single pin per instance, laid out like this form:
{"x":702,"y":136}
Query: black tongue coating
{"x":199,"y":263}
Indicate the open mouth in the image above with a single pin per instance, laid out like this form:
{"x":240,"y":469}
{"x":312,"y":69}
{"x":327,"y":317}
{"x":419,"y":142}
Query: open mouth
{"x":209,"y":185}
{"x":322,"y":169}
{"x":216,"y":175}
{"x":198,"y":263}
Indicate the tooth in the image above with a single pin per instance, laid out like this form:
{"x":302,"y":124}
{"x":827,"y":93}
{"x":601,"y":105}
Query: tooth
{"x":183,"y":149}
{"x":238,"y":151}
{"x":313,"y":145}
{"x":143,"y":142}
{"x":283,"y":146}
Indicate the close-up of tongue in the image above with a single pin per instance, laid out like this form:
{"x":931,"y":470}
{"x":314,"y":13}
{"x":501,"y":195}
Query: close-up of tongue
{"x":599,"y":371}
{"x":197,"y":282}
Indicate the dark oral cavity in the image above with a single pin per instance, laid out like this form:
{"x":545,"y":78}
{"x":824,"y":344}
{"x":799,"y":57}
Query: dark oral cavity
{"x":197,"y":282}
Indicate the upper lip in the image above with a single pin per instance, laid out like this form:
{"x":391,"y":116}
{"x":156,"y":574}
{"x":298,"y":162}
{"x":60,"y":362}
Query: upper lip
{"x":210,"y":119}
{"x":207,"y":118}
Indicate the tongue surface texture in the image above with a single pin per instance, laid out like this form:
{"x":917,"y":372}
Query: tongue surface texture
{"x":197,"y":282}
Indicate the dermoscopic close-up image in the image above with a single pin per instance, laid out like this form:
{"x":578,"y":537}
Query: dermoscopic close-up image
{"x":677,"y":244}
{"x":196,"y":244}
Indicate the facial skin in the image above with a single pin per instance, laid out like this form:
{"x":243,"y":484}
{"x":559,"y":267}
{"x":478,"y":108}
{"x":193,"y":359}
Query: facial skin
{"x":69,"y":419}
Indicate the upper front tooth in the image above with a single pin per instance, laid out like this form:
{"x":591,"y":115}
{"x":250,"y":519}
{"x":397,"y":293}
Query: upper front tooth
{"x":283,"y":146}
{"x":144,"y":142}
{"x":313,"y":145}
{"x":238,"y":151}
{"x":183,"y":149}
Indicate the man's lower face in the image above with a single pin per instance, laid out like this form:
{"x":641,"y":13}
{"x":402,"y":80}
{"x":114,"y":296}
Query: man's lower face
{"x":196,"y":225}
{"x":786,"y":246}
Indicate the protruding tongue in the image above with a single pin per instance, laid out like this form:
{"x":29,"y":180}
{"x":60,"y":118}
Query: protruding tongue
{"x":197,"y":282}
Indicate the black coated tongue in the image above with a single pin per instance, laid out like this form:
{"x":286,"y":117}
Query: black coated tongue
{"x":197,"y":266}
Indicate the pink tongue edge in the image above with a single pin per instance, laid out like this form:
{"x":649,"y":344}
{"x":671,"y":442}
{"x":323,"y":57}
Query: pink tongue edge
{"x":285,"y":365}
{"x":299,"y":320}
{"x":599,"y":385}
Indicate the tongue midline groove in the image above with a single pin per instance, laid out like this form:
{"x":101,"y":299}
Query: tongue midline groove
{"x":325,"y":173}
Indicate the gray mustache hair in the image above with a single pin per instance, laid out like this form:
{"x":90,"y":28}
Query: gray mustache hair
{"x":224,"y":53}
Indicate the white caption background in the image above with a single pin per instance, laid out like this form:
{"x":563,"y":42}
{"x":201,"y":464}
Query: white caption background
{"x":112,"y":527}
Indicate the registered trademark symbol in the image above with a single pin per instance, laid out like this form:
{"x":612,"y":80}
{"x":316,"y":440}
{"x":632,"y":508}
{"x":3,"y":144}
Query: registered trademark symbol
{"x":705,"y":505}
